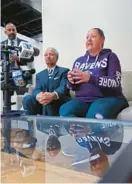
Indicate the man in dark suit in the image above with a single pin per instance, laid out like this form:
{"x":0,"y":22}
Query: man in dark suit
{"x":13,"y":40}
{"x":11,"y":32}
{"x":51,"y":88}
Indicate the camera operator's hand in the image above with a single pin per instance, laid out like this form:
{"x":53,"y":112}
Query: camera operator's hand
{"x":14,"y":58}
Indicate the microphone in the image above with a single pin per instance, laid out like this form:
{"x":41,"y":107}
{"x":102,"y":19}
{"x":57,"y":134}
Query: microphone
{"x":25,"y":49}
{"x":28,"y":74}
{"x":17,"y":77}
{"x":36,"y":51}
{"x":32,"y":71}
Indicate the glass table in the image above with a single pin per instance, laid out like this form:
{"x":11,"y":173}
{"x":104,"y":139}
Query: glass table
{"x":38,"y":149}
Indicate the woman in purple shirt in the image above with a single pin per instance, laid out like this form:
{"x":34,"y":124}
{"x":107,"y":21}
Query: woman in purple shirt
{"x":96,"y":80}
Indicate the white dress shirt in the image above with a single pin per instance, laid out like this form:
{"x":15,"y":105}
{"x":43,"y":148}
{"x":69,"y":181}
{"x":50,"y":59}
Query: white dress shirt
{"x":15,"y":42}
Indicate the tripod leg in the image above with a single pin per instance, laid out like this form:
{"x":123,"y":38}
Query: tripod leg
{"x":6,"y":87}
{"x":6,"y":127}
{"x":7,"y":100}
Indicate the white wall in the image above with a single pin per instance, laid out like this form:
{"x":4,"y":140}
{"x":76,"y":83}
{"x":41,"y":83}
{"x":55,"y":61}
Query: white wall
{"x":65,"y":24}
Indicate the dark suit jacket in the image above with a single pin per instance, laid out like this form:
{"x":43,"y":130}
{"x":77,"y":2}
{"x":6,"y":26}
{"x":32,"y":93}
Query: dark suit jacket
{"x":18,"y":41}
{"x":6,"y":42}
{"x":57,"y":83}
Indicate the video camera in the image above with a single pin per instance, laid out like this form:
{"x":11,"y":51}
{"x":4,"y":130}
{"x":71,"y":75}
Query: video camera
{"x":13,"y":77}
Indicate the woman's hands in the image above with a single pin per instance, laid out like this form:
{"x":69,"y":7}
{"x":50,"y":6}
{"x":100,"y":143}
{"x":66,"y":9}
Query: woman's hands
{"x":77,"y":76}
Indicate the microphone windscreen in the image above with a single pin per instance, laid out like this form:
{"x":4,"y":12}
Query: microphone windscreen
{"x":32,"y":71}
{"x":36,"y":51}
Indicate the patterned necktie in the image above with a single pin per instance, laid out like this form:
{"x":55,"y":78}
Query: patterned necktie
{"x":50,"y":73}
{"x":12,"y":54}
{"x":12,"y":43}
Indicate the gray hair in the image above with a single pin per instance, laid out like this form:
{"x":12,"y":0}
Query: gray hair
{"x":53,"y":49}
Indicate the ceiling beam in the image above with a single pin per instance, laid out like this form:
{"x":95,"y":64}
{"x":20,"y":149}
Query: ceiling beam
{"x":38,"y":30}
{"x":25,"y":31}
{"x":20,"y":13}
{"x":30,"y":7}
{"x":33,"y":20}
{"x":10,"y":3}
{"x":6,"y":20}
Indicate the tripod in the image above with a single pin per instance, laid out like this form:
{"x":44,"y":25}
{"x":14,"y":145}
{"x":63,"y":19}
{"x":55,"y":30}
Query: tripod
{"x":7,"y":113}
{"x":5,"y":86}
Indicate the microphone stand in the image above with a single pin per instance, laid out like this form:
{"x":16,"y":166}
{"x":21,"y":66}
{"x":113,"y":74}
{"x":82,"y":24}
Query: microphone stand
{"x":7,"y":113}
{"x":6,"y":87}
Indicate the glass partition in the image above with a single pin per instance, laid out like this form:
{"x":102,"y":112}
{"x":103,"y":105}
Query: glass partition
{"x":60,"y":150}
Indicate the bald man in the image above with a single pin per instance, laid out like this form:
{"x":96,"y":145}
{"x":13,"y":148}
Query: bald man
{"x":13,"y":40}
{"x":11,"y":32}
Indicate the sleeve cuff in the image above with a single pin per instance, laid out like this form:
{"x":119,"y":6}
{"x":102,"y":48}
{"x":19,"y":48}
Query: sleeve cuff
{"x":69,"y":86}
{"x":36,"y":96}
{"x":92,"y":79}
{"x":57,"y":96}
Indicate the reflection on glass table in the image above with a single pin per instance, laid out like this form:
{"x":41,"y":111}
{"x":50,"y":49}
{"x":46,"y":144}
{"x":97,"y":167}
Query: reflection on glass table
{"x":57,"y":150}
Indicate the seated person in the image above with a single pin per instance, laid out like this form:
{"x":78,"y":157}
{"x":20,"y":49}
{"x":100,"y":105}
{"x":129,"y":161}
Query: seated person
{"x":50,"y":91}
{"x":96,"y":80}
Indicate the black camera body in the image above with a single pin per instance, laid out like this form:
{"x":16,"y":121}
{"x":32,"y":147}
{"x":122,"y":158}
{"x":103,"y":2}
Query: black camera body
{"x":13,"y":76}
